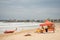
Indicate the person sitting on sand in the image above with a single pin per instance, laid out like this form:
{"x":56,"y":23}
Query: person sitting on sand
{"x":38,"y":30}
{"x":46,"y":28}
{"x":42,"y":29}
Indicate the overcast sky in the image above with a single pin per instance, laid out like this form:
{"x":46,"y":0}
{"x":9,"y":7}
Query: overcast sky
{"x":29,"y":9}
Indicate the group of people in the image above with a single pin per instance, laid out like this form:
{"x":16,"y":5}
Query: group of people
{"x":46,"y":27}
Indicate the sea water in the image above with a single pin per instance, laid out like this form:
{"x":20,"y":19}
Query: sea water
{"x":19,"y":25}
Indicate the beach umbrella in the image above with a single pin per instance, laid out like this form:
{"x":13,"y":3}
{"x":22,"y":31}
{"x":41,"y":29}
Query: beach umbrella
{"x":48,"y":23}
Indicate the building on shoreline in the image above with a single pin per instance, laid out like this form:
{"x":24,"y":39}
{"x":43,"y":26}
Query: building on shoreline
{"x":52,"y":20}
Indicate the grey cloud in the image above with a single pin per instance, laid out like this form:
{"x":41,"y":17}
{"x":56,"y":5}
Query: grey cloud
{"x":29,"y":9}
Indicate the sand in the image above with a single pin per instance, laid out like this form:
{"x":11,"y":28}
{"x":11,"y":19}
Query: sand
{"x":34,"y":36}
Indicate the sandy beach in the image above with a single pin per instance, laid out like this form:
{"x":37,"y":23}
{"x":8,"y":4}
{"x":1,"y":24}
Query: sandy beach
{"x":34,"y":36}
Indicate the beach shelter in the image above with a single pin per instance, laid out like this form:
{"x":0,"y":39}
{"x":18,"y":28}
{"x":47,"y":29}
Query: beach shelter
{"x":50,"y":25}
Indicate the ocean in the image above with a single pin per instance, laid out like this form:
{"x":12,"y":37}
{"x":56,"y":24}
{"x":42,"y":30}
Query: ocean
{"x":19,"y":25}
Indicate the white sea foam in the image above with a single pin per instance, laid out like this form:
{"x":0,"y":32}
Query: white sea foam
{"x":19,"y":25}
